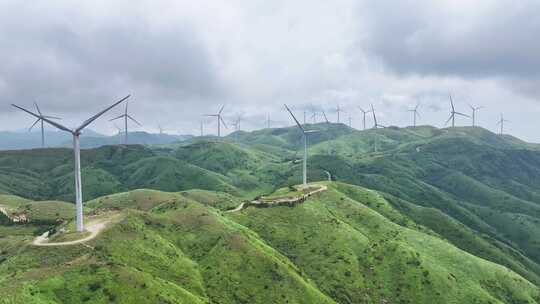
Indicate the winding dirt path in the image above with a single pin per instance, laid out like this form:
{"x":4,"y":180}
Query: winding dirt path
{"x":94,"y":227}
{"x":279,"y":201}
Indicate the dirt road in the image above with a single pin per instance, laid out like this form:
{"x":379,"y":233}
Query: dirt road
{"x":94,"y":227}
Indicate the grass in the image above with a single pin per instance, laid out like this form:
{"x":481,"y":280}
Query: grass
{"x":180,"y":248}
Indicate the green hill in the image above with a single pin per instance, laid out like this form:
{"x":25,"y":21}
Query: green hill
{"x":177,"y":248}
{"x":455,"y":218}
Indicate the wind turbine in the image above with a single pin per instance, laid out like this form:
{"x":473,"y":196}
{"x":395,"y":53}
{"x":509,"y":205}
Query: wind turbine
{"x":313,"y":114}
{"x":376,"y":125}
{"x":77,"y":153}
{"x":474,"y":110}
{"x":501,"y":123}
{"x":415,"y":113}
{"x":118,"y":129}
{"x":304,"y":134}
{"x":338,"y":110}
{"x":237,"y":123}
{"x":453,"y":114}
{"x":364,"y":112}
{"x":219,"y":120}
{"x":42,"y":127}
{"x":126,"y":116}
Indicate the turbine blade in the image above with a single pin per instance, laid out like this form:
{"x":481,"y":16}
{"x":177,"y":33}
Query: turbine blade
{"x":121,"y":116}
{"x":37,"y":108}
{"x":59,"y":126}
{"x":465,"y":115}
{"x":451,"y":116}
{"x":326,"y":119}
{"x":133,"y":119}
{"x":221,"y":110}
{"x":374,"y":116}
{"x":223,"y":121}
{"x":452,"y":103}
{"x":296,"y":120}
{"x":32,"y":126}
{"x":91,"y":119}
{"x":51,"y":117}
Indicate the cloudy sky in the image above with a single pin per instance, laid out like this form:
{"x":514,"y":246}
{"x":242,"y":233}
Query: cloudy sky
{"x":181,"y":59}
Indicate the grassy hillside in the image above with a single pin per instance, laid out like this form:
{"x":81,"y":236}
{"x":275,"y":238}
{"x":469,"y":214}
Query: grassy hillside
{"x":465,"y":191}
{"x":180,"y":248}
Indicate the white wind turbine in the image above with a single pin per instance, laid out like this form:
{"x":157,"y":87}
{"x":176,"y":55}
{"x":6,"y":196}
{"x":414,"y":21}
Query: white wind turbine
{"x":501,"y":124}
{"x":376,"y":125}
{"x":338,"y":111}
{"x":77,"y":153}
{"x":474,"y":110}
{"x":118,"y":129}
{"x":415,"y":114}
{"x":304,"y":134}
{"x":219,"y":120}
{"x":453,"y":114}
{"x":42,"y":127}
{"x":364,"y":112}
{"x":126,"y":116}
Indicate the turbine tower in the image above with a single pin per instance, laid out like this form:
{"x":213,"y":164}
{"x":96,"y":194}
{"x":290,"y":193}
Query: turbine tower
{"x":77,"y":153}
{"x":202,"y":128}
{"x":219,"y":120}
{"x":474,"y":110}
{"x":453,"y":114}
{"x":501,"y":124}
{"x":338,"y":111}
{"x":364,"y":112}
{"x":376,"y":125}
{"x":415,"y":114}
{"x":126,"y":116}
{"x":268,"y":120}
{"x":42,"y":127}
{"x":304,"y":135}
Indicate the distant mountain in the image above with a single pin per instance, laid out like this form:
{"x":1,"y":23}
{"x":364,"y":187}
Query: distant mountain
{"x":134,"y":138}
{"x":16,"y":140}
{"x":10,"y":140}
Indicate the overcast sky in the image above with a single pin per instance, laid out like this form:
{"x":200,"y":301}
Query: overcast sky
{"x":182,"y":59}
